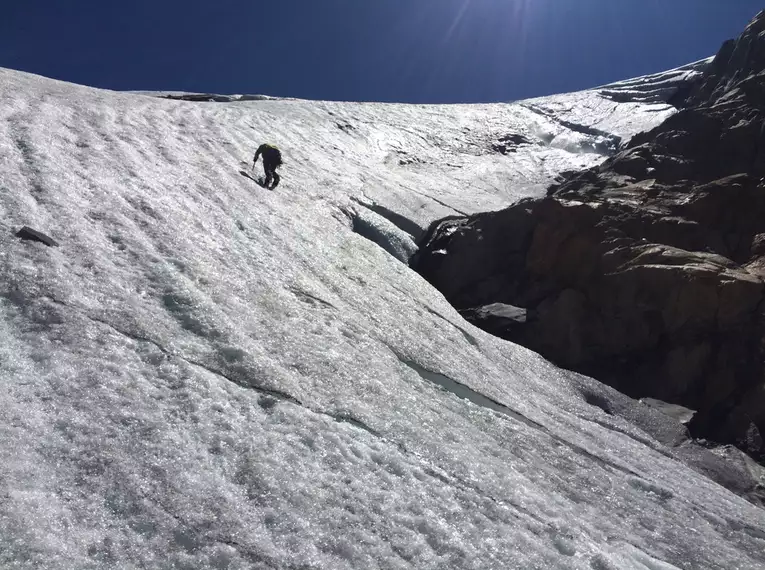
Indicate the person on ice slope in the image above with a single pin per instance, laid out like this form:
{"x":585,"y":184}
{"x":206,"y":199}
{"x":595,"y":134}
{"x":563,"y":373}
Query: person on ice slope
{"x":272,"y":159}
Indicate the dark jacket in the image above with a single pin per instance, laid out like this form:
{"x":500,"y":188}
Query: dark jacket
{"x":271,"y":155}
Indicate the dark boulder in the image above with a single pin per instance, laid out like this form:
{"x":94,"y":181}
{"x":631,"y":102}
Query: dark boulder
{"x":509,"y":143}
{"x":498,"y":319}
{"x":27,"y":233}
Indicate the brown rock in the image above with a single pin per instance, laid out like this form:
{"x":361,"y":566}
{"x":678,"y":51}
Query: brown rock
{"x":647,"y":271}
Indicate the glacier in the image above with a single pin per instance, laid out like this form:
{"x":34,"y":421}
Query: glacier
{"x":206,"y":374}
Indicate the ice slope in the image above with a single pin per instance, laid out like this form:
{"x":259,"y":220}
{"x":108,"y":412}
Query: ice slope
{"x":615,"y":111}
{"x":656,"y":88}
{"x":433,"y":161}
{"x":206,"y":374}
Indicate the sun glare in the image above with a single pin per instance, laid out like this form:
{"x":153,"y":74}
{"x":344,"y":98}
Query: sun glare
{"x":453,"y":42}
{"x":510,"y":13}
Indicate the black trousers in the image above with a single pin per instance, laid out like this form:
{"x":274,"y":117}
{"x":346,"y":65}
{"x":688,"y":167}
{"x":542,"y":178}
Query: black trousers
{"x":269,"y":168}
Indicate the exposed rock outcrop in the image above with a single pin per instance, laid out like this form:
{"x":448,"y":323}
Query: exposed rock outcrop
{"x":509,"y":143}
{"x":648,"y":271}
{"x":27,"y":233}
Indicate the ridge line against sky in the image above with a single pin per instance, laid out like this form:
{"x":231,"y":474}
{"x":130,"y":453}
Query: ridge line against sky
{"x":417,"y":51}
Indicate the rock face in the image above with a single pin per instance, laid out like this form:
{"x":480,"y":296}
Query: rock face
{"x":646,"y":272}
{"x":497,"y":318}
{"x":509,"y":143}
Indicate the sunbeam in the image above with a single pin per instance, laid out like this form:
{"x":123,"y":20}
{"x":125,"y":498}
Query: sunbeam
{"x":457,"y":20}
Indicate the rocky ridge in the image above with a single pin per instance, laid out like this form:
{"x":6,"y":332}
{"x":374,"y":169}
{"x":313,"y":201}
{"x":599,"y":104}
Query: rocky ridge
{"x":646,"y":272}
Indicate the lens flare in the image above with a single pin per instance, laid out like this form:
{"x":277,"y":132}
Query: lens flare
{"x":464,"y":46}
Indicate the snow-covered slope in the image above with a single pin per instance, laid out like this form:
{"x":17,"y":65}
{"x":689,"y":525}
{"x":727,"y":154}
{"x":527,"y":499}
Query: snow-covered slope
{"x":656,"y":88}
{"x":206,"y":374}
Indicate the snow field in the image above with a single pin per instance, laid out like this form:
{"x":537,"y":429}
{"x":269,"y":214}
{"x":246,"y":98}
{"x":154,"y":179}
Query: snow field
{"x":210,"y":375}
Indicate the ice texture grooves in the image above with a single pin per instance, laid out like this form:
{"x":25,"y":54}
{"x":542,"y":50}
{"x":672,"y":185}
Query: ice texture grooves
{"x":206,"y":374}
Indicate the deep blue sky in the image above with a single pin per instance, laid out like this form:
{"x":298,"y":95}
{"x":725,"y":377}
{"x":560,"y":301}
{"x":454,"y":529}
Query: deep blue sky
{"x":383,"y":50}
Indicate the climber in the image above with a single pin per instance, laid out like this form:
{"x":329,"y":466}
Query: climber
{"x":272,"y":159}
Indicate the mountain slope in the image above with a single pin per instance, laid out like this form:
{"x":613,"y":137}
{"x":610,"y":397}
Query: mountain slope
{"x":205,"y":374}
